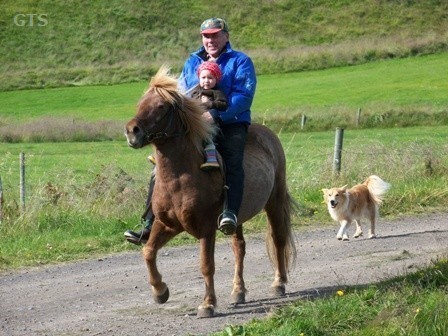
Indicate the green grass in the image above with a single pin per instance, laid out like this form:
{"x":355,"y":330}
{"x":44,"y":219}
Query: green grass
{"x":81,"y":195}
{"x":80,"y":192}
{"x":413,"y":305}
{"x":70,"y":177}
{"x":418,"y":81}
{"x":91,"y":103}
{"x":111,"y":41}
{"x":390,"y":93}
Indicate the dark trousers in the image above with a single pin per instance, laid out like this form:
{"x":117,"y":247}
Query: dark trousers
{"x":230,"y":142}
{"x":148,"y":215}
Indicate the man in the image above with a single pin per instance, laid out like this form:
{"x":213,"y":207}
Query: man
{"x":238,"y":84}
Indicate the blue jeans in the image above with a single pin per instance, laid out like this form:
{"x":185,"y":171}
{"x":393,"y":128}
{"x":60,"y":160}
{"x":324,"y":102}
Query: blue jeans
{"x":230,"y":142}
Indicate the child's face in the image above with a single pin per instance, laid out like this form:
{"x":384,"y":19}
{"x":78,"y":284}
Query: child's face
{"x":206,"y":80}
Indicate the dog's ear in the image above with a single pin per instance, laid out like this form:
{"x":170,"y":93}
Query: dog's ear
{"x":325,"y":191}
{"x":343,"y":188}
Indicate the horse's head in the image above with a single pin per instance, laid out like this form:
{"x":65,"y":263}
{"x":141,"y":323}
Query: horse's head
{"x":156,"y":112}
{"x":153,"y":121}
{"x":164,"y":113}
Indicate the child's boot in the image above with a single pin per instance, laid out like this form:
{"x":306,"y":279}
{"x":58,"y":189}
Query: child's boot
{"x":211,"y":161}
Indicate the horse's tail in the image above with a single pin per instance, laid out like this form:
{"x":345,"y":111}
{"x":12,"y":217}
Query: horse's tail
{"x":280,"y":233}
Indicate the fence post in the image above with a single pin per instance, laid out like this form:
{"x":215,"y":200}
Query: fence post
{"x":302,"y":124}
{"x":338,"y":150}
{"x":358,"y":117}
{"x":1,"y":200}
{"x":22,"y":183}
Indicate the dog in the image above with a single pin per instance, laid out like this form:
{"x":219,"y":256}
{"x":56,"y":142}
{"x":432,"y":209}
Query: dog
{"x":361,"y":201}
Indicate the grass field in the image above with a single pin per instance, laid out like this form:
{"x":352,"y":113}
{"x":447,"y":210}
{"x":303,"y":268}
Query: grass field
{"x":73,"y":179}
{"x":400,"y":154}
{"x":418,"y":82}
{"x":414,"y":86}
{"x":111,"y":41}
{"x":82,"y":192}
{"x":101,"y":186}
{"x":77,"y":207}
{"x":415,"y":305}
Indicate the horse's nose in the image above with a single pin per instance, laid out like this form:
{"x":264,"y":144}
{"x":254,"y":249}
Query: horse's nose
{"x":132,"y":129}
{"x":136,"y":130}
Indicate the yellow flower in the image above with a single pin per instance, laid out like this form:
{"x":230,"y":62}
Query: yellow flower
{"x":340,"y":293}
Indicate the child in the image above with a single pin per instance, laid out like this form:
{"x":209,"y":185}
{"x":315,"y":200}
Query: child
{"x":212,"y":99}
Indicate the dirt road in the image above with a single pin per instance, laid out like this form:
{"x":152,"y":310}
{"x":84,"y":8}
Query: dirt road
{"x":110,"y":295}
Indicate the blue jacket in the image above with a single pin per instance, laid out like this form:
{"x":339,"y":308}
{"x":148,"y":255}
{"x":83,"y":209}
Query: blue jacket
{"x":238,"y":83}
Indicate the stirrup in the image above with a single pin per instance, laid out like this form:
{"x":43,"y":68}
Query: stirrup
{"x":137,"y":238}
{"x":142,"y":236}
{"x":227,"y":222}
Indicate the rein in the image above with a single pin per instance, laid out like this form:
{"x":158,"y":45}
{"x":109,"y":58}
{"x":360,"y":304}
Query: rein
{"x":162,"y":135}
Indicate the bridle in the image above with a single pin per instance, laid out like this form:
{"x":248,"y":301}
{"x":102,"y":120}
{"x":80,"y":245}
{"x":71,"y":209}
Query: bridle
{"x":163,"y":134}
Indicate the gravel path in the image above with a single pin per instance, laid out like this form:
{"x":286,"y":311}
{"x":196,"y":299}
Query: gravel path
{"x":110,"y":295}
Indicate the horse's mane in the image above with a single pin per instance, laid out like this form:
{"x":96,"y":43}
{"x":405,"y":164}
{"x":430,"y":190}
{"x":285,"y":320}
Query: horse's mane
{"x":189,"y":110}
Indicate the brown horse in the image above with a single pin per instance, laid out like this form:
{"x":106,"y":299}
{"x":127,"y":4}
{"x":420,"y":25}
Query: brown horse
{"x":188,"y":199}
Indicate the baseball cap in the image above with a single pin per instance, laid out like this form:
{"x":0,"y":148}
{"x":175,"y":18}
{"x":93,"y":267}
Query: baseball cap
{"x":213,"y":25}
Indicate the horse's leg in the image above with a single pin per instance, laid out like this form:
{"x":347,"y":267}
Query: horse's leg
{"x":278,"y":286}
{"x":280,"y":241}
{"x":276,"y":243}
{"x":207,"y":244}
{"x":239,"y":251}
{"x":157,"y":239}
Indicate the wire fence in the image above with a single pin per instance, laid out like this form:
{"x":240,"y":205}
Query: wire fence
{"x":402,"y":161}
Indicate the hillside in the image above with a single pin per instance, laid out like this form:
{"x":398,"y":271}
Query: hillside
{"x":49,"y":43}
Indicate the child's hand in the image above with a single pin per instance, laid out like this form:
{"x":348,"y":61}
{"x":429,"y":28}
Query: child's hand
{"x":205,"y":99}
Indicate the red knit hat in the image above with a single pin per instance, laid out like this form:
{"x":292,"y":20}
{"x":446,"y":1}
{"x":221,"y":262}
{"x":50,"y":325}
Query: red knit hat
{"x":213,"y":68}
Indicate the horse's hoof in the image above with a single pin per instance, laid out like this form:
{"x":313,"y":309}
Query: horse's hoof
{"x":161,"y":298}
{"x":206,"y":312}
{"x":238,"y":297}
{"x":279,"y":290}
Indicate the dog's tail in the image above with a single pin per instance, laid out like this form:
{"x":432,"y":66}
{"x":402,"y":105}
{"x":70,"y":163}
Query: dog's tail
{"x":377,"y":188}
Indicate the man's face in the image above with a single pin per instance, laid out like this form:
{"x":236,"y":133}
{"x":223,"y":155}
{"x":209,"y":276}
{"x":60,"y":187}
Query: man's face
{"x":213,"y":43}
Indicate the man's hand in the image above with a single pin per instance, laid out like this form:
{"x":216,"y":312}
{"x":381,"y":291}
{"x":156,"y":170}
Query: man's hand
{"x":207,"y":116}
